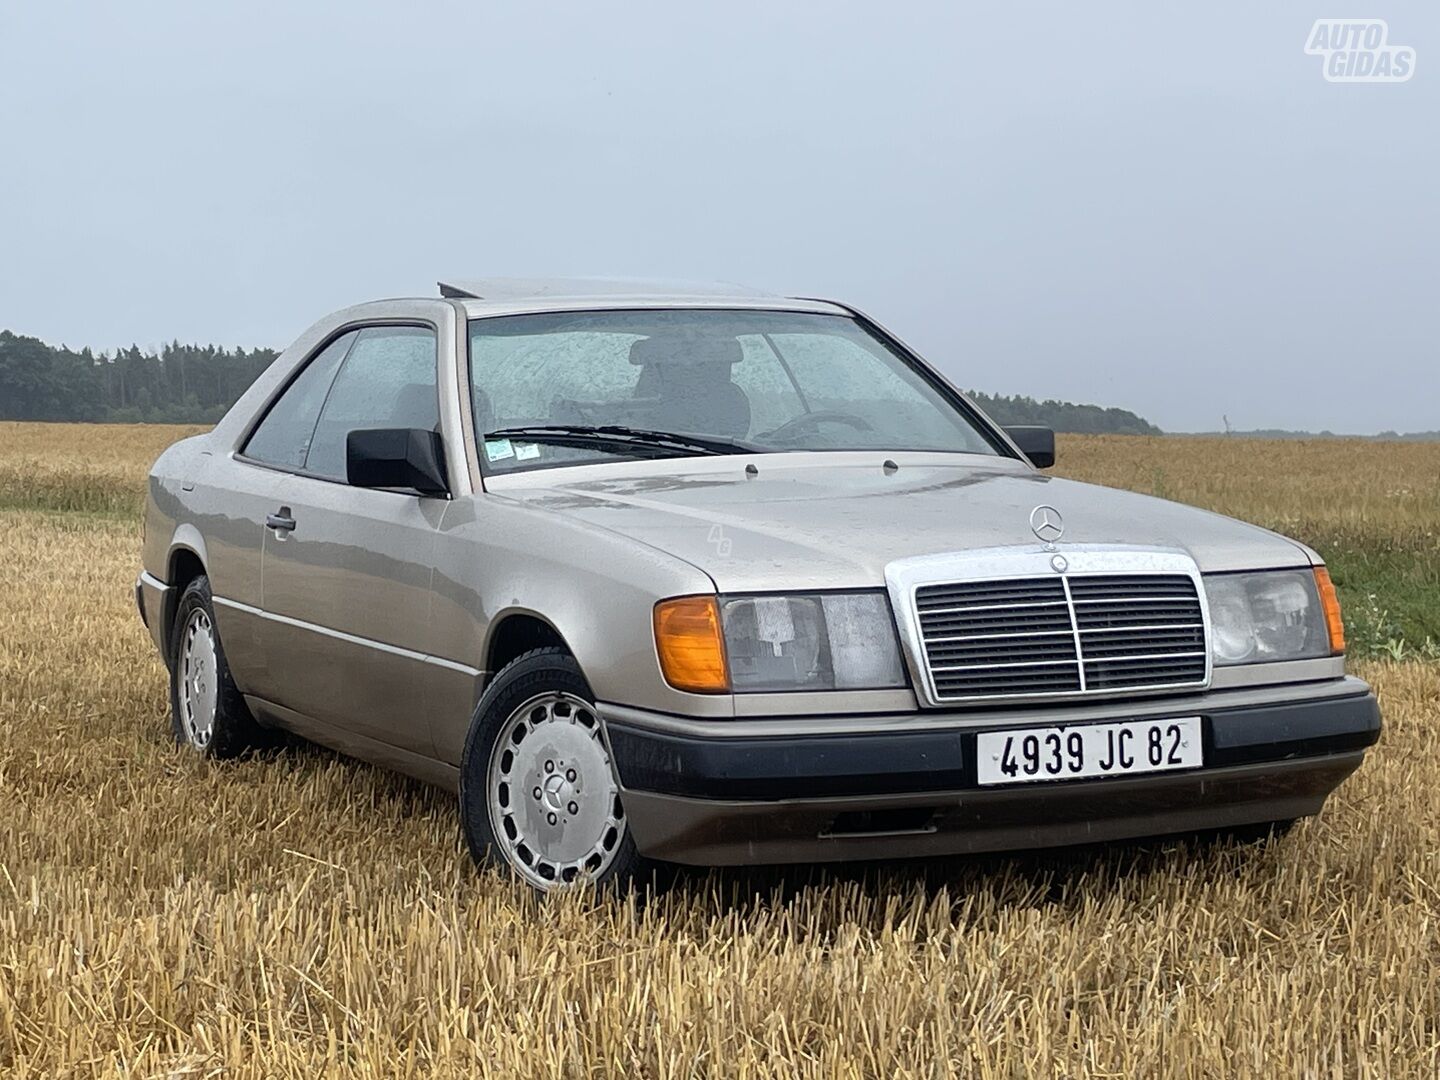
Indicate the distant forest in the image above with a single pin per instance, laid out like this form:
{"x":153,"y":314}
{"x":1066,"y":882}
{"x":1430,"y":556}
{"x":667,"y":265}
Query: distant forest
{"x":182,"y":384}
{"x":1063,"y":415}
{"x":195,"y":384}
{"x":1285,"y":433}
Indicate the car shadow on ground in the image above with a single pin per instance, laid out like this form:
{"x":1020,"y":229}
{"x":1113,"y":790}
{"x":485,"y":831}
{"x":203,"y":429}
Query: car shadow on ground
{"x":1009,"y":881}
{"x":1050,"y":877}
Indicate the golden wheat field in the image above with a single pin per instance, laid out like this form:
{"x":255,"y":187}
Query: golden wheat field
{"x":298,"y":915}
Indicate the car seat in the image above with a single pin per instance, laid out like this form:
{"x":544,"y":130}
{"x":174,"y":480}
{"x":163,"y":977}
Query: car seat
{"x":686,"y":381}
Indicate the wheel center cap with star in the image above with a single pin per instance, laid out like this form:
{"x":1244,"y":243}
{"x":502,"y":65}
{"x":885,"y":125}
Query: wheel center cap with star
{"x":556,"y":787}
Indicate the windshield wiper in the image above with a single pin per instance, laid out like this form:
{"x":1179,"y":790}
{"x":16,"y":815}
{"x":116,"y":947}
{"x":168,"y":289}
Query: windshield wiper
{"x":621,"y":436}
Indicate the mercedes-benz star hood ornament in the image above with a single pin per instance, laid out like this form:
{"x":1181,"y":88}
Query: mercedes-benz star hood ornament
{"x":1047,"y":524}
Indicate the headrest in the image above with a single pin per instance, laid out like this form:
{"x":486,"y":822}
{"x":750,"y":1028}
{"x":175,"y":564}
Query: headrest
{"x":683,"y":349}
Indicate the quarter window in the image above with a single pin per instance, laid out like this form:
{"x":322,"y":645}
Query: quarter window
{"x":283,"y":437}
{"x":387,"y":381}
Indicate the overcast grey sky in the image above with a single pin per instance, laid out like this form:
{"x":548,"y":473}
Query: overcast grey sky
{"x":1158,"y":206}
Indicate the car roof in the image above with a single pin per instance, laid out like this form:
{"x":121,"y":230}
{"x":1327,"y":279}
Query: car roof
{"x":504,"y":295}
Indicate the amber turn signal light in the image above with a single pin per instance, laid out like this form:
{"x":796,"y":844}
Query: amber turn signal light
{"x":690,"y":645}
{"x":1331,"y":604}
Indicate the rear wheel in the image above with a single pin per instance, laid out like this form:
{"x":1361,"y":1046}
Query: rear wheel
{"x":537,"y":790}
{"x":207,"y":712}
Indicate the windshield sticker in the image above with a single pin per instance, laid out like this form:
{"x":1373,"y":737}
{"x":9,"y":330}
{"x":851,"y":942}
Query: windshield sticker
{"x":498,"y":449}
{"x":527,"y":451}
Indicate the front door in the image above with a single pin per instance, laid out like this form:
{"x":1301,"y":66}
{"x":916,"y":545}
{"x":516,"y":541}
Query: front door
{"x":347,"y":598}
{"x":345,"y":570}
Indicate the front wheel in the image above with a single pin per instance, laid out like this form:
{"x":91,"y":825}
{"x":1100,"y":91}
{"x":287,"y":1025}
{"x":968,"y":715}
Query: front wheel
{"x":537,"y":791}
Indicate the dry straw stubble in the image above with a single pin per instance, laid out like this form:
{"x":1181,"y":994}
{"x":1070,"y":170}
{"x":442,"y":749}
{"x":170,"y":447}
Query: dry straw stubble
{"x":304,"y":916}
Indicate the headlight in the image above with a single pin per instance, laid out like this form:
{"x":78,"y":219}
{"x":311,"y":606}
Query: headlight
{"x":820,"y":641}
{"x":1263,"y":617}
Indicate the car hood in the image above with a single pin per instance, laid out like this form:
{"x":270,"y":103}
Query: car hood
{"x":813,"y":520}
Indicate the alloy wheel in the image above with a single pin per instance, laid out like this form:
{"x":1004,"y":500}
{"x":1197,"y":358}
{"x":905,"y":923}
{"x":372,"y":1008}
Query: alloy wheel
{"x":198,"y":672}
{"x":553,"y":801}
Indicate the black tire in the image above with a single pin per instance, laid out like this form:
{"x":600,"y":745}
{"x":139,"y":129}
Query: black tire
{"x":532,"y":675}
{"x":232,"y":731}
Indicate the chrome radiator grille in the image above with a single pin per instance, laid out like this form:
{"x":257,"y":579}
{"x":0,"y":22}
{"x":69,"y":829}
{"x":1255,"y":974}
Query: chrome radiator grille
{"x":1062,"y":635}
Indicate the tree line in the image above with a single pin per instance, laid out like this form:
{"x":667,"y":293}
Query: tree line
{"x":181,"y":384}
{"x":1063,"y":415}
{"x":195,"y":384}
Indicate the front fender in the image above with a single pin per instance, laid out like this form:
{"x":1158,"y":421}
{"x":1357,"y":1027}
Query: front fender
{"x":597,"y":589}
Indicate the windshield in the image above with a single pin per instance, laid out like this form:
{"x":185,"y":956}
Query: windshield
{"x":758,"y":380}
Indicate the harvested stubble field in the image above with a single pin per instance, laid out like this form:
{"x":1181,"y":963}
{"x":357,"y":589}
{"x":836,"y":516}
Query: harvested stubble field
{"x":301,"y":915}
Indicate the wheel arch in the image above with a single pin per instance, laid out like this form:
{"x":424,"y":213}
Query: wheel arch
{"x":184,"y":562}
{"x":187,"y":550}
{"x":514,"y":632}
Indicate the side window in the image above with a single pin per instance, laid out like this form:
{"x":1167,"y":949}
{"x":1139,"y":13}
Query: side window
{"x":388,"y":381}
{"x":283,"y":437}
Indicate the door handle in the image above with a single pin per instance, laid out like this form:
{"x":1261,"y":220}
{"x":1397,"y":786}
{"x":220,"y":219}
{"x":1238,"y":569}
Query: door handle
{"x":281,"y":522}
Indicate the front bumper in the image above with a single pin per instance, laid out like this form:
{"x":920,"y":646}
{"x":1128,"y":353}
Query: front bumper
{"x":909,"y":791}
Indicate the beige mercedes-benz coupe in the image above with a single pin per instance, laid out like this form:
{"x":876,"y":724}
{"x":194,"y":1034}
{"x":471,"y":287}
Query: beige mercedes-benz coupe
{"x":693,"y":574}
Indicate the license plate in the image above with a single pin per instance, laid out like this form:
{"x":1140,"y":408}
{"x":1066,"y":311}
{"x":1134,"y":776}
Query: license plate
{"x":1088,"y":750}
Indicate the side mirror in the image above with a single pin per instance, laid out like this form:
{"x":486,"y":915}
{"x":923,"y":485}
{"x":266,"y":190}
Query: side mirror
{"x":1036,"y":443}
{"x":396,"y":458}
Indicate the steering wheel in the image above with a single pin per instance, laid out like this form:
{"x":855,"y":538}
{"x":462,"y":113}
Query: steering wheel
{"x":806,"y":421}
